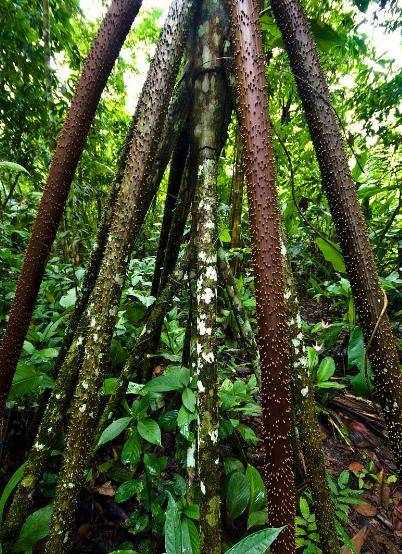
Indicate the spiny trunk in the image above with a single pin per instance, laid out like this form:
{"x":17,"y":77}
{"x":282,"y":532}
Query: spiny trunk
{"x":102,"y":310}
{"x":268,"y":270}
{"x":209,"y":121}
{"x":70,"y":144}
{"x":177,"y":170}
{"x":346,"y":212}
{"x":175,"y":237}
{"x":304,"y":409}
{"x":144,"y":342}
{"x":66,"y":366}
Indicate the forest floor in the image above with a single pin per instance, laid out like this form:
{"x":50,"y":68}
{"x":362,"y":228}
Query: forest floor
{"x":353,"y":435}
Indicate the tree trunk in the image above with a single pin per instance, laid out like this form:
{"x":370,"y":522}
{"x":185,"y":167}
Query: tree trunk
{"x":347,"y":215}
{"x":102,"y":311}
{"x":304,"y":409}
{"x":70,"y":144}
{"x":268,"y":270}
{"x":177,"y":171}
{"x":209,"y":121}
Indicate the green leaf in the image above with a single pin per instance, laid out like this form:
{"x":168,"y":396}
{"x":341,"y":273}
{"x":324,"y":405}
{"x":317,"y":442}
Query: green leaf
{"x":356,"y":350}
{"x":155,"y":464}
{"x":113,"y":430}
{"x":109,"y":385}
{"x":304,"y":508}
{"x":9,"y":487}
{"x":326,"y":369}
{"x":127,"y":490}
{"x":192,"y":511}
{"x":257,"y":489}
{"x":331,"y":253}
{"x":257,"y":543}
{"x":312,"y":358}
{"x":194,"y":537}
{"x":224,"y":233}
{"x":35,"y":528}
{"x":131,"y":452}
{"x":186,"y":546}
{"x":238,"y":494}
{"x":150,"y":431}
{"x":329,"y":385}
{"x":189,"y":399}
{"x":29,"y":380}
{"x":174,"y":378}
{"x":69,"y":299}
{"x":13,"y":166}
{"x":172,"y":527}
{"x":257,"y":519}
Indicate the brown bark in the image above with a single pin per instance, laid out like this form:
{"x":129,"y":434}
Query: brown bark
{"x":347,"y":214}
{"x":70,"y":144}
{"x":103,"y":306}
{"x":268,"y":270}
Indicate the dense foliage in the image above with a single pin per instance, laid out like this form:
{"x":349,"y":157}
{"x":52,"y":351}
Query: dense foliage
{"x":138,"y":495}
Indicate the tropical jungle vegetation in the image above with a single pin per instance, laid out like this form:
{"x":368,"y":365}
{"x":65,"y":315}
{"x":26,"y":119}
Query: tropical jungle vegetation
{"x":200,"y":276}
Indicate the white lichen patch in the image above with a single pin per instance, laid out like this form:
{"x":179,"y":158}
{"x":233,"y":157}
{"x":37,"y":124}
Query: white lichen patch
{"x":207,"y":295}
{"x":202,"y":487}
{"x":304,"y":391}
{"x":200,"y":386}
{"x":214,"y":436}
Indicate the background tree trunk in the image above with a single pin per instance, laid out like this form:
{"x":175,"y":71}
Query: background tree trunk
{"x":347,"y":214}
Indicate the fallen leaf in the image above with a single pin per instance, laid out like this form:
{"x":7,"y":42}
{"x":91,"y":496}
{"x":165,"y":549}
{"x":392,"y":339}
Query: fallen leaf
{"x":106,"y":489}
{"x":358,"y":540}
{"x":366,"y":509}
{"x":356,"y":467}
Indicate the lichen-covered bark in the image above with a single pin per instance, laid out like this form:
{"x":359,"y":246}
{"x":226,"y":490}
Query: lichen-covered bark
{"x":70,"y":144}
{"x":346,"y":212}
{"x":209,"y":119}
{"x":309,"y":433}
{"x":268,"y":269}
{"x":102,"y":309}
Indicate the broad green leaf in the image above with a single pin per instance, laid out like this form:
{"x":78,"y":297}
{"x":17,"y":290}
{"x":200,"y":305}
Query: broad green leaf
{"x":194,"y":537}
{"x":189,"y":399}
{"x":127,"y":490}
{"x":257,"y":519}
{"x":69,"y":299}
{"x":131,"y":452}
{"x":29,"y":380}
{"x":113,"y":430}
{"x":13,"y":166}
{"x":257,"y":543}
{"x":9,"y":487}
{"x":356,"y":350}
{"x":150,"y":431}
{"x":173,"y":543}
{"x":238,"y":494}
{"x":192,"y":511}
{"x":174,"y":378}
{"x":35,"y":528}
{"x":109,"y":385}
{"x":257,"y":489}
{"x":326,"y":369}
{"x":331,"y":253}
{"x":155,"y":464}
